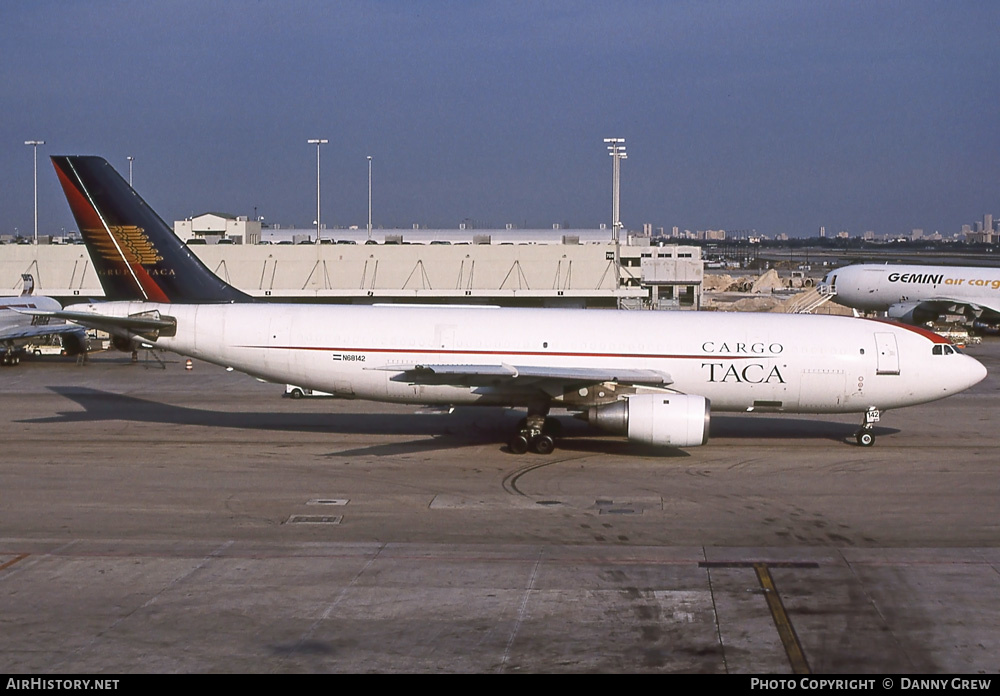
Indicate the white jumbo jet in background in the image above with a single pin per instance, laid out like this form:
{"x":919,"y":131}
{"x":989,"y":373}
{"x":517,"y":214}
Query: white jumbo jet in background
{"x":17,"y":328}
{"x":651,"y":376}
{"x":918,"y":294}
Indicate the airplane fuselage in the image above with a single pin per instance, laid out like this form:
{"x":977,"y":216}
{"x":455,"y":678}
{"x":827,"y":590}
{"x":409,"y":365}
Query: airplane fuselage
{"x":11,"y":308}
{"x":877,"y":288}
{"x":741,"y":362}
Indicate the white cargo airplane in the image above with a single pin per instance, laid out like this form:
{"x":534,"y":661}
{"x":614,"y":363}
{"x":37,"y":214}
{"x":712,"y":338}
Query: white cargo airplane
{"x":918,"y":294}
{"x":18,"y":328}
{"x":648,"y":375}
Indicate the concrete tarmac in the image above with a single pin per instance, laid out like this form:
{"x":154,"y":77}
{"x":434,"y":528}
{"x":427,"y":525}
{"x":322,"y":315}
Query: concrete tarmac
{"x":165,"y":520}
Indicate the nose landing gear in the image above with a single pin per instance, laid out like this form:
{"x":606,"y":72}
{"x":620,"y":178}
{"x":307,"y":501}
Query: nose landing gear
{"x":864,"y":436}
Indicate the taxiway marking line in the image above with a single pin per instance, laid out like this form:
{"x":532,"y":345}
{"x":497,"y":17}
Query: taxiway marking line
{"x":786,"y":631}
{"x":12,"y":561}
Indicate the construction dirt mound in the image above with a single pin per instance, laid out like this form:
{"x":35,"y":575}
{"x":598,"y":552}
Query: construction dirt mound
{"x":768,"y":282}
{"x":717,"y":283}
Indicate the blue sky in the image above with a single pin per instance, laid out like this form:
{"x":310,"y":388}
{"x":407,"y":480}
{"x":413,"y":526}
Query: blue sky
{"x":769,"y":115}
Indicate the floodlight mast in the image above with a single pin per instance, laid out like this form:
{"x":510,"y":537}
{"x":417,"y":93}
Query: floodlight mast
{"x":369,"y":198}
{"x":317,"y":142}
{"x":616,"y":148}
{"x":34,"y":145}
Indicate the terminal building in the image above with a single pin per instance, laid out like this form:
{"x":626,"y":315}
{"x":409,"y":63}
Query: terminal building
{"x":216,"y":228}
{"x":511,"y":267}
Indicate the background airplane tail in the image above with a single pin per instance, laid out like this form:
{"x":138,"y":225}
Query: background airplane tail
{"x":136,"y":255}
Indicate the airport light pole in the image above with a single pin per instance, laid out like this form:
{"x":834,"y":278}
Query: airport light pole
{"x":317,"y":142}
{"x":616,"y":148}
{"x":34,"y":145}
{"x":130,"y":159}
{"x":369,"y":198}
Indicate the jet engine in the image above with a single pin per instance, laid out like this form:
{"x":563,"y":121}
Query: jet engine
{"x":676,"y":420}
{"x":910,"y":313}
{"x":986,"y":328}
{"x":126,"y":345}
{"x":75,"y":343}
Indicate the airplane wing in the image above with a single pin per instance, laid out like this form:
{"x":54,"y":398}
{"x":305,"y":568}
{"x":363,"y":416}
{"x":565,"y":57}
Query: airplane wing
{"x":16,"y":333}
{"x":551,"y":379}
{"x":981,"y":309}
{"x":944,"y":305}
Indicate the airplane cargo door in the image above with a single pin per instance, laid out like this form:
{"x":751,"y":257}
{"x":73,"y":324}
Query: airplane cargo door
{"x":822,"y":390}
{"x":887,"y":356}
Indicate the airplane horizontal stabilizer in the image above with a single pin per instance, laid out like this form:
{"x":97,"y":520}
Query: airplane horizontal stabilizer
{"x":139,"y":324}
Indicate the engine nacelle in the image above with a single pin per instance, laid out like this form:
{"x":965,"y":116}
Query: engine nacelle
{"x":126,"y":345}
{"x":676,"y":420}
{"x":986,"y":328}
{"x":910,"y":313}
{"x":75,"y":343}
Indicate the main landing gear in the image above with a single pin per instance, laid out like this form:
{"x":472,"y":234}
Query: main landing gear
{"x":536,"y":432}
{"x":865,"y":435}
{"x":10,"y":357}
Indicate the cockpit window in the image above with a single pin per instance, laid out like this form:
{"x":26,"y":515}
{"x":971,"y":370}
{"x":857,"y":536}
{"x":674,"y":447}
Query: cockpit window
{"x":938,"y":350}
{"x":943,"y":350}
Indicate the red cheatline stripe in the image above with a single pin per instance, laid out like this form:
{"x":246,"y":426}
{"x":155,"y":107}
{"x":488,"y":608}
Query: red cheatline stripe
{"x":926,"y":333}
{"x":425,"y":351}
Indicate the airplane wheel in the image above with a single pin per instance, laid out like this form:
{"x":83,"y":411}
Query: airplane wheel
{"x":518,"y":444}
{"x":296,"y":394}
{"x":543,"y":444}
{"x":865,"y":438}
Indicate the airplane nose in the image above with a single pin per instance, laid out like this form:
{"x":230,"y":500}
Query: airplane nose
{"x":972,"y":372}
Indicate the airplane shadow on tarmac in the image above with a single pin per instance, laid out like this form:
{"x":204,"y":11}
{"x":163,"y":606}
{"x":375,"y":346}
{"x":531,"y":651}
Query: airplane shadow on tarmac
{"x":462,"y":427}
{"x":787,"y":428}
{"x":432,"y":431}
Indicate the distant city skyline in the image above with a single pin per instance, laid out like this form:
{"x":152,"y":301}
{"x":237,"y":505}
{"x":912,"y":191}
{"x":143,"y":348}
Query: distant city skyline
{"x":774,"y":116}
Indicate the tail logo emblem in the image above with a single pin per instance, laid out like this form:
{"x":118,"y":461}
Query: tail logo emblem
{"x":129,"y":241}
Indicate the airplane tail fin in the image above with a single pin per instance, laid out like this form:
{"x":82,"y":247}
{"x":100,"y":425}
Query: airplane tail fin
{"x":136,"y":255}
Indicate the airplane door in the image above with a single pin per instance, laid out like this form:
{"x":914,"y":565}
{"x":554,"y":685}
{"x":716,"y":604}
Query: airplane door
{"x":886,"y":353}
